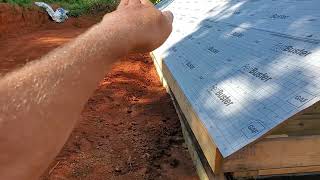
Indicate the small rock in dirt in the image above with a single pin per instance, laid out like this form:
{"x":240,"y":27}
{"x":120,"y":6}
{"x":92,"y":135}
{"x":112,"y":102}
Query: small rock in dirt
{"x":174,"y":163}
{"x":144,"y":170}
{"x":167,"y":153}
{"x":184,"y":145}
{"x":99,"y":120}
{"x":117,"y":169}
{"x":104,"y":136}
{"x":146,"y":155}
{"x":156,"y":165}
{"x":115,"y":124}
{"x":85,"y":145}
{"x":176,"y":140}
{"x":134,"y":123}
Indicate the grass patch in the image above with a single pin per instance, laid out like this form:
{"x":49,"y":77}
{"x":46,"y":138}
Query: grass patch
{"x":76,"y":7}
{"x":155,"y":1}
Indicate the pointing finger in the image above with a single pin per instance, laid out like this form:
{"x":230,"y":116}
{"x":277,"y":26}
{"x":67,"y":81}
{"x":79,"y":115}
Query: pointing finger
{"x":168,"y":15}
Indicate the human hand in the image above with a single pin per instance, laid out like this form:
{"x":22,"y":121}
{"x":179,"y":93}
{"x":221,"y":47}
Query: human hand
{"x":145,"y":28}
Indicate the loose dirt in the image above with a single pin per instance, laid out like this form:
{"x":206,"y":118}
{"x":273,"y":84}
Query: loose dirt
{"x":128,"y":129}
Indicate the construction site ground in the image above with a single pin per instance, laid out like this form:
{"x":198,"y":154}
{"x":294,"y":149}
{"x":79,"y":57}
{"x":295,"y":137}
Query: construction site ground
{"x":128,"y":129}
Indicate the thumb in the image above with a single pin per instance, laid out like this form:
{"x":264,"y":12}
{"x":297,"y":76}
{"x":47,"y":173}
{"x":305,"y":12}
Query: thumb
{"x":168,"y":15}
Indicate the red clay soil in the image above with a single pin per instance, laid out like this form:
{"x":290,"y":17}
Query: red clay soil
{"x":128,"y":129}
{"x":14,"y":17}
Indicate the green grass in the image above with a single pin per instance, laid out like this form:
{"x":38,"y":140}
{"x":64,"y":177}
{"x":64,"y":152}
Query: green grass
{"x":155,"y":1}
{"x":76,"y":7}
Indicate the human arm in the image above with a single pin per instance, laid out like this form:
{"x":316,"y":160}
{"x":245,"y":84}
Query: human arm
{"x":41,"y":103}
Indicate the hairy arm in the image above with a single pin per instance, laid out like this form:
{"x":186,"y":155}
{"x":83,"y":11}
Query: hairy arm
{"x":41,"y":103}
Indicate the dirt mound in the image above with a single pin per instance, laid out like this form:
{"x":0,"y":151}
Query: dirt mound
{"x":128,"y":129}
{"x":14,"y":18}
{"x":16,"y":21}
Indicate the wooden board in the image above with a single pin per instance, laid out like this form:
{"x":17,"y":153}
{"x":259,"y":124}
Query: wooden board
{"x":276,"y":153}
{"x":203,"y":168}
{"x":304,"y":123}
{"x":208,"y":147}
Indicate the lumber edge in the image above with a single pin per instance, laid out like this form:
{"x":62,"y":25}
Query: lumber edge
{"x":203,"y":168}
{"x":206,"y":143}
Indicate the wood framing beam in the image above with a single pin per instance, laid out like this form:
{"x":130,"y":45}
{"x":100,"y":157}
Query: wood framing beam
{"x":276,"y":153}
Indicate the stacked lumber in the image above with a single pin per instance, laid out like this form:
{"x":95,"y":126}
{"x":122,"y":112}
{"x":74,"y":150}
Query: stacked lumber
{"x":244,"y":77}
{"x":291,"y":148}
